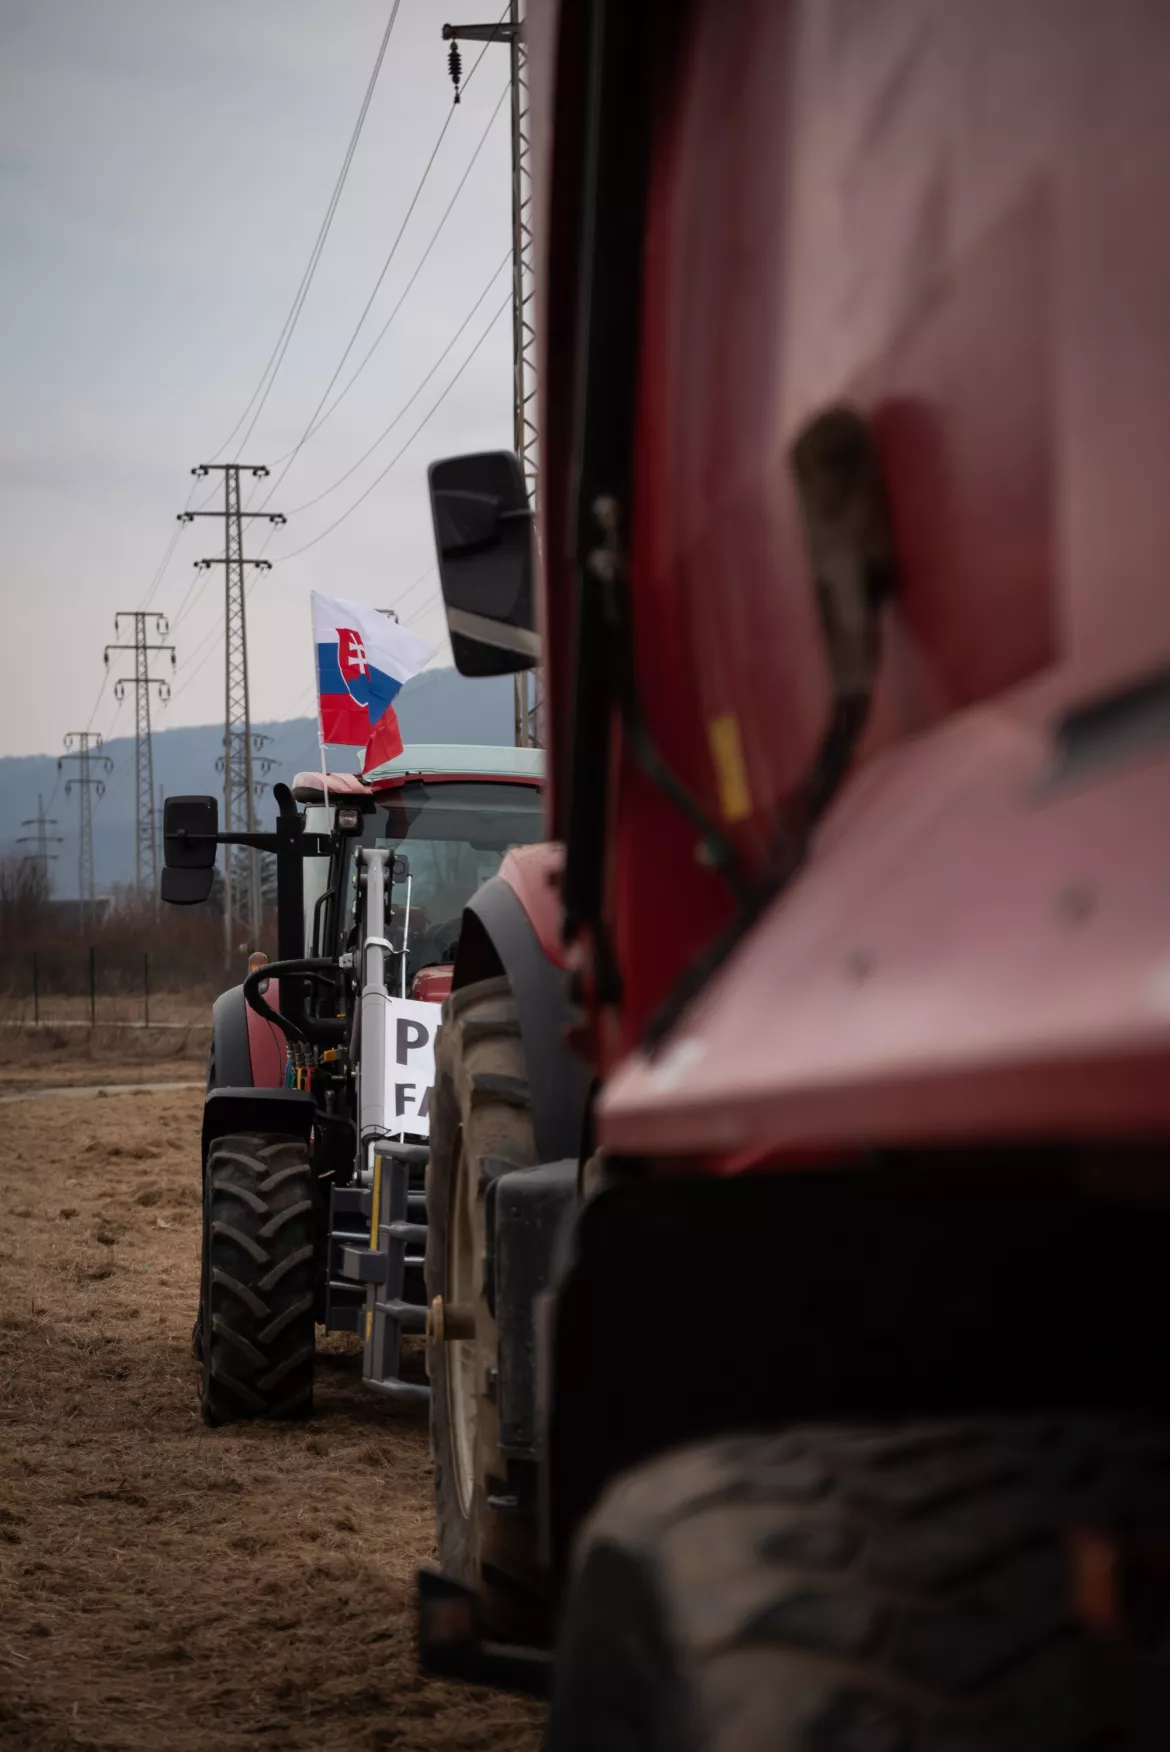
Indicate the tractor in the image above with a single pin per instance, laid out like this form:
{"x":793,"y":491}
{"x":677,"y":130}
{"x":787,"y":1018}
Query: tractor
{"x":319,"y":1086}
{"x":800,"y":1377}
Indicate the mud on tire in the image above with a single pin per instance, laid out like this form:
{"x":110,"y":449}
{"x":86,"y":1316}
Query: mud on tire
{"x":258,"y":1279}
{"x":919,"y":1589}
{"x":481,"y":1125}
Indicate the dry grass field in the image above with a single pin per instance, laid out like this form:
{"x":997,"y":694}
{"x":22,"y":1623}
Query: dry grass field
{"x":163,"y":1585}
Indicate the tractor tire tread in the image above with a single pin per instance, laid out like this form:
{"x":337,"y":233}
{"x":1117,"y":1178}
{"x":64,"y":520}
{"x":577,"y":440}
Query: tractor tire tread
{"x":482,"y":1097}
{"x":928,"y":1595}
{"x":491,"y":1086}
{"x":483,"y":990}
{"x":283,"y":1266}
{"x":247,"y":1296}
{"x":252,"y":1247}
{"x":258,"y":1291}
{"x":282,"y":1218}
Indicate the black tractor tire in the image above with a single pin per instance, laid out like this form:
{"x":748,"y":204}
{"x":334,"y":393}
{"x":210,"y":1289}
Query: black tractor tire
{"x":985,"y":1588}
{"x":197,"y":1329}
{"x":481,"y":1125}
{"x":259,"y":1254}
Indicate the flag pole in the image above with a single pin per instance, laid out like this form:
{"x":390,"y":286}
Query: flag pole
{"x":320,"y":720}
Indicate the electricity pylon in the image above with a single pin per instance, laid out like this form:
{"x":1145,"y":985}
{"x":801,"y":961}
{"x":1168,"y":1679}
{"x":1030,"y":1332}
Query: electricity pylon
{"x":42,"y":839}
{"x":241,"y":864}
{"x":145,"y":836}
{"x":84,"y":746}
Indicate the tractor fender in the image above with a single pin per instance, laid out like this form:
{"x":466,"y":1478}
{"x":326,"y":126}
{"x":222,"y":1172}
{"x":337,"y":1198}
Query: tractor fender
{"x":247,"y":1051}
{"x":511,"y":927}
{"x":227,"y":1112}
{"x":245,"y":1086}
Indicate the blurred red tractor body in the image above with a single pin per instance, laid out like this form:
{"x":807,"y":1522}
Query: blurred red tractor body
{"x":855,"y":627}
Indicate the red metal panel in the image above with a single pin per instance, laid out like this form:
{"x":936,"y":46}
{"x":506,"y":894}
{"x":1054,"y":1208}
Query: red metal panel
{"x":534,"y":875}
{"x":970,"y":956}
{"x":942,"y":214}
{"x":266,"y":1045}
{"x":432,"y":984}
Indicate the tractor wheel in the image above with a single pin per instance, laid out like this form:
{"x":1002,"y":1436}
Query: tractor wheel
{"x":258,"y":1279}
{"x":990,"y":1588}
{"x":481,"y":1124}
{"x":197,"y":1329}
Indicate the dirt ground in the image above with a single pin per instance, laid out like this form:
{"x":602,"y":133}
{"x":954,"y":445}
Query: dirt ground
{"x":172,"y":1010}
{"x":53,"y":1057}
{"x":163,"y":1585}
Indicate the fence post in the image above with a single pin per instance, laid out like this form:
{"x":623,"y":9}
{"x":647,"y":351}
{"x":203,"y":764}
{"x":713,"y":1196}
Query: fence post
{"x":92,"y":986}
{"x":36,"y":992}
{"x":146,"y":988}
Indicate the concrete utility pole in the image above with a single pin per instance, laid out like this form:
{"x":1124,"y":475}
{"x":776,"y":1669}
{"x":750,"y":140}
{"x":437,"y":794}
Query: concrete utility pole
{"x":524,"y":430}
{"x":145,"y":838}
{"x":84,"y":747}
{"x":241,"y":865}
{"x":42,"y":839}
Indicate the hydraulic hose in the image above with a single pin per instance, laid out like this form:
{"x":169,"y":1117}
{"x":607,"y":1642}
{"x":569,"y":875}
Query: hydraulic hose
{"x":321,"y":971}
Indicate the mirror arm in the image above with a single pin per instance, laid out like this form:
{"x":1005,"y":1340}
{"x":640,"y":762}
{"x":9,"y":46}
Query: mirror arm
{"x":315,"y":845}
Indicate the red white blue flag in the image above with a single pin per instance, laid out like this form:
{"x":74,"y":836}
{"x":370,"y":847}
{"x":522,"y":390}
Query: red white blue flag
{"x":363,"y":658}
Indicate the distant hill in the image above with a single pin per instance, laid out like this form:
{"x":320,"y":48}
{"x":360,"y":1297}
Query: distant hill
{"x":437,"y":706}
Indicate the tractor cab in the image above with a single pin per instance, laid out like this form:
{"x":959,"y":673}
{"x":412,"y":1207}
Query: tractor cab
{"x":449,"y":815}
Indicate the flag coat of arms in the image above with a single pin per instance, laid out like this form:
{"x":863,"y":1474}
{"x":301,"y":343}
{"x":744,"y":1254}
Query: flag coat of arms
{"x":363,"y":658}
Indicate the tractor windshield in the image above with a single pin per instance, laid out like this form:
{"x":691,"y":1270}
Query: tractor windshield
{"x":449,"y":838}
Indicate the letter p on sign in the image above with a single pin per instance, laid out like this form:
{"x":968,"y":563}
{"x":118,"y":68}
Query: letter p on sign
{"x":410,"y":1072}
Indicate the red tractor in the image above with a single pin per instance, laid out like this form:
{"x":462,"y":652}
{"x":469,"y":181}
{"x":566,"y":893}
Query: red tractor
{"x":319,"y":1085}
{"x":816,"y":1397}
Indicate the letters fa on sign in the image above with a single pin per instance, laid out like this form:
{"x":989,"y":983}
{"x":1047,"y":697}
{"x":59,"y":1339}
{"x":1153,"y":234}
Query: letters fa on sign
{"x":411,"y":1028}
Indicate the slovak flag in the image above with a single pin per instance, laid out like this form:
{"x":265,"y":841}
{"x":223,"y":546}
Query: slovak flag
{"x":363,"y":658}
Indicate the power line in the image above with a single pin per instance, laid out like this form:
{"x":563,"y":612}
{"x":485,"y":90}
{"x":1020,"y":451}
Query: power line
{"x":194,"y":592}
{"x":386,"y":431}
{"x":285,"y":462}
{"x":399,"y":454}
{"x":162,"y":566}
{"x":276,"y":358}
{"x":288,"y":460}
{"x":204,"y":650}
{"x":421,"y":579}
{"x":315,"y":424}
{"x":98,"y":701}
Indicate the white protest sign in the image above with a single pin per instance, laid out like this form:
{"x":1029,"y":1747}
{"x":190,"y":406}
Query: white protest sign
{"x":411,"y":1028}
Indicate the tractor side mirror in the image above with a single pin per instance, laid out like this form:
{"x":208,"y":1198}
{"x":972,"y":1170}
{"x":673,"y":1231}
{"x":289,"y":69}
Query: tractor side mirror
{"x":190,"y":825}
{"x":483,"y":537}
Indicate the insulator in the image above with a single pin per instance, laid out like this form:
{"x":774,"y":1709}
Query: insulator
{"x":455,"y":68}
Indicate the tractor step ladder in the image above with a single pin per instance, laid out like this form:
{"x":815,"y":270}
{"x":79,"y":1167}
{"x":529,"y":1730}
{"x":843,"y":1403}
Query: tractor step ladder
{"x":381,"y":1268}
{"x":349,"y":1226}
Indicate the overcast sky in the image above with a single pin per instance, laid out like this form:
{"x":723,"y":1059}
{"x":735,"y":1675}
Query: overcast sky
{"x":164,"y":169}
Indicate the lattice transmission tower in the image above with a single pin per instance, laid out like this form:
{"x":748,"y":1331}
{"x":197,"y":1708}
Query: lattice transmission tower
{"x":524,"y":415}
{"x":42,"y":839}
{"x":242,"y":898}
{"x":146,"y":828}
{"x":84,"y":747}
